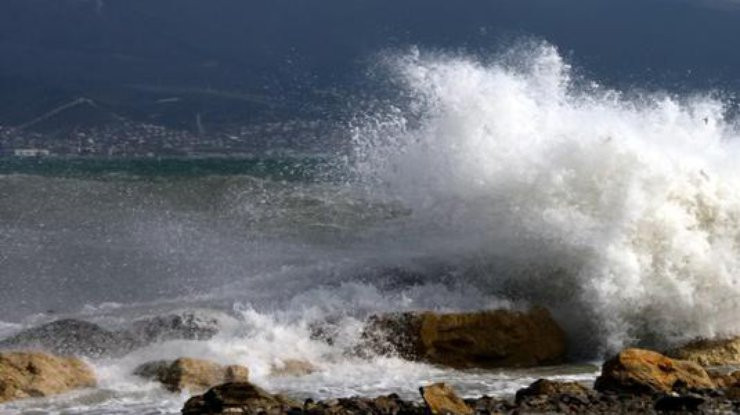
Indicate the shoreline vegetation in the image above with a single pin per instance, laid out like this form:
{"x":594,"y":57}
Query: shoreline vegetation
{"x":695,"y":378}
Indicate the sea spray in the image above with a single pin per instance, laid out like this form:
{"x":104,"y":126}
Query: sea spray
{"x":622,"y":214}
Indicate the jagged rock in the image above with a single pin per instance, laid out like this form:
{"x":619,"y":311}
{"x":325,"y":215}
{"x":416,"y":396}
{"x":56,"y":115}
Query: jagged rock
{"x":644,"y":371}
{"x":488,"y":339}
{"x":194,"y":375}
{"x":239,"y":398}
{"x":28,"y":375}
{"x":70,"y":338}
{"x":442,"y":400}
{"x":709,"y":352}
{"x":187,"y":325}
{"x":293,"y":367}
{"x":383,"y":405}
{"x":548,"y":388}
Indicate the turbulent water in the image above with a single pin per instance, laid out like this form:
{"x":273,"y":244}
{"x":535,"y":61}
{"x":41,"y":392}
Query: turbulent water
{"x":487,"y":183}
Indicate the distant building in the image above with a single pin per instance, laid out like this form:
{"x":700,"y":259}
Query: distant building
{"x":30,"y":152}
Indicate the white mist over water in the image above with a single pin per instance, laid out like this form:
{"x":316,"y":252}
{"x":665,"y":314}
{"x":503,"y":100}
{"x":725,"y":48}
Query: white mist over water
{"x":622,"y":214}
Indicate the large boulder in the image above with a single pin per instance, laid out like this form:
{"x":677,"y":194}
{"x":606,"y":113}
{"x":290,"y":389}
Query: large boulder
{"x":28,"y":375}
{"x":194,"y":375}
{"x":487,"y":339}
{"x":70,"y":338}
{"x":645,"y":371}
{"x":239,"y":398}
{"x":442,"y":400}
{"x":705,"y":352}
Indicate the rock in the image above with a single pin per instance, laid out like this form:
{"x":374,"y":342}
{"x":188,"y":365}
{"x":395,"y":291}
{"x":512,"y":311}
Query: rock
{"x":239,"y":398}
{"x":733,"y":393}
{"x":70,"y":338}
{"x":644,"y":371}
{"x":194,"y":375}
{"x":488,"y":405}
{"x":293,"y":367}
{"x":383,"y":405}
{"x":27,"y":375}
{"x":724,"y":380}
{"x":488,"y":339}
{"x":187,"y":325}
{"x":549,"y":388}
{"x":681,"y":404}
{"x":442,"y":400}
{"x":709,"y":352}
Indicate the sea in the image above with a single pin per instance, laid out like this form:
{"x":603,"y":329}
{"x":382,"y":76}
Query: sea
{"x":507,"y":181}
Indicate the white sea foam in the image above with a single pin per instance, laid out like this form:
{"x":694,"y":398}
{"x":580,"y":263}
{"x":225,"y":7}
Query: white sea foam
{"x":620,"y":211}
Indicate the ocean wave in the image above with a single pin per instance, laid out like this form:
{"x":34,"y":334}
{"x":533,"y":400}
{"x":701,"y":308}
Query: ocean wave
{"x":619,"y":210}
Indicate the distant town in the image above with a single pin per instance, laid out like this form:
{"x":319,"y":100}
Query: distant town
{"x":132,"y":139}
{"x":117,"y":136}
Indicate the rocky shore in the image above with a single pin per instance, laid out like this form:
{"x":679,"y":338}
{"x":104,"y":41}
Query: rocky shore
{"x":695,"y":378}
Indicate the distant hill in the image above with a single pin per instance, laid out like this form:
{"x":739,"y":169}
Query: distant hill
{"x":244,"y":61}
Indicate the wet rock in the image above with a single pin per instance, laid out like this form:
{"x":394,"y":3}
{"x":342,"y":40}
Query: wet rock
{"x":293,"y":367}
{"x":709,"y":352}
{"x":442,"y":400}
{"x":488,"y":339}
{"x":644,"y":371}
{"x":489,"y":405}
{"x":733,"y":393}
{"x":28,"y":375}
{"x":552,"y":389}
{"x":383,"y":405}
{"x":70,"y":338}
{"x":669,"y":403}
{"x":239,"y":398}
{"x":187,"y":325}
{"x":194,"y":375}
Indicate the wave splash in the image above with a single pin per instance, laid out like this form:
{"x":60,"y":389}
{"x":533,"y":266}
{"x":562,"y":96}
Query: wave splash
{"x":620,"y":211}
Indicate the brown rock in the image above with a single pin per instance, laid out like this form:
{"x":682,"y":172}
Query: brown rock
{"x":645,"y":371}
{"x":488,"y":339}
{"x":549,"y":388}
{"x":724,"y":380}
{"x":709,"y":352}
{"x":442,"y":400}
{"x":194,"y":375}
{"x":27,"y":375}
{"x":238,"y":398}
{"x":293,"y":367}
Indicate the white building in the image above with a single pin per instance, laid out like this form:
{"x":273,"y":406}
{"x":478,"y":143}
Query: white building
{"x":30,"y":152}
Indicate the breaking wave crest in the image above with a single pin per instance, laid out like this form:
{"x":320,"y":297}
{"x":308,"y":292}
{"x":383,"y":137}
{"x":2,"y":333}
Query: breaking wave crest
{"x":620,"y":211}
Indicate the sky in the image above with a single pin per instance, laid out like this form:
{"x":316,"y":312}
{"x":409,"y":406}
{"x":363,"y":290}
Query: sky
{"x":269,"y":58}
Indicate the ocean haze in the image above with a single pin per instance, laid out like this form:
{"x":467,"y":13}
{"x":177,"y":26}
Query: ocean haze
{"x":250,"y":61}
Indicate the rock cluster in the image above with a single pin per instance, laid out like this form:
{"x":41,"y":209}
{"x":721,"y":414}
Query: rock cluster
{"x":634,"y":381}
{"x":487,"y":339}
{"x":29,"y":375}
{"x":70,"y":337}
